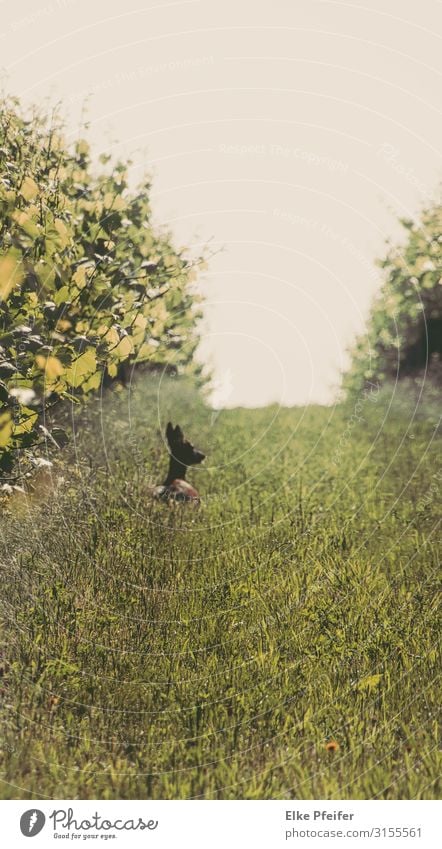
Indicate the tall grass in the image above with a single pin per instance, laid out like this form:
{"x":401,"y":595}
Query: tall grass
{"x":216,"y":653}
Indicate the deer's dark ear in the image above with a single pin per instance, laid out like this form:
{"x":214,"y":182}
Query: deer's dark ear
{"x":170,"y":432}
{"x":179,"y":435}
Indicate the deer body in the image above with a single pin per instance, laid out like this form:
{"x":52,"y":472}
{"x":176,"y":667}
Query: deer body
{"x":182,"y":455}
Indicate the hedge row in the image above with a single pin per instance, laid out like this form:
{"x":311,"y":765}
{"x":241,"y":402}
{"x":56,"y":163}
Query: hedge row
{"x":404,"y":331}
{"x":87,"y":283}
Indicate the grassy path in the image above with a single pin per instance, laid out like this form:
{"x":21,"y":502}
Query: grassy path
{"x":155,"y":652}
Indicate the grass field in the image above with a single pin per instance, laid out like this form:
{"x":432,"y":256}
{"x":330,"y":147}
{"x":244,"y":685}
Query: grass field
{"x":282,"y":641}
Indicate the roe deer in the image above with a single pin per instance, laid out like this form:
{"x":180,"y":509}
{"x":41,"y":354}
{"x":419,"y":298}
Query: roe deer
{"x":182,"y":455}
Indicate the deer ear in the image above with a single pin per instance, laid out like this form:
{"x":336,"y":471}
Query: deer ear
{"x":179,"y":435}
{"x":169,"y":432}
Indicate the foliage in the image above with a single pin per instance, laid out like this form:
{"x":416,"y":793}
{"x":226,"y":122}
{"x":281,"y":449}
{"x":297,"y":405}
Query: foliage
{"x":410,"y":297}
{"x":281,"y":642}
{"x":86,"y":281}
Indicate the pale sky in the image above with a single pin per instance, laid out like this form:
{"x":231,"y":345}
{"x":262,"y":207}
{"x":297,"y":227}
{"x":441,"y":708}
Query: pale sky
{"x":291,"y":134}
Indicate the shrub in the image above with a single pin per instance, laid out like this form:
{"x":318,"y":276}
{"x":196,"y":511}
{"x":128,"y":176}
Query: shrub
{"x":87,"y":283}
{"x":404,"y":333}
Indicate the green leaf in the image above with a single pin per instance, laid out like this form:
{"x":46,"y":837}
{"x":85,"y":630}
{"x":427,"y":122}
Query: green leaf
{"x":6,"y":427}
{"x":28,"y":418}
{"x":29,"y":188}
{"x":11,"y":272}
{"x":52,"y":366}
{"x":84,"y":366}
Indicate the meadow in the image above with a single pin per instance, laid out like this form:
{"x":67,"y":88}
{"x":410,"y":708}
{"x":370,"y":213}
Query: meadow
{"x":282,"y":641}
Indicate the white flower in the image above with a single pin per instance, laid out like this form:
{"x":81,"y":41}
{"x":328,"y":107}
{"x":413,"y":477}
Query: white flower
{"x":24,"y":396}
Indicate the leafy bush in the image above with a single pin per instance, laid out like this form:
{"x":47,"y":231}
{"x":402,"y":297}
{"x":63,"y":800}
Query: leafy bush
{"x":404,"y":333}
{"x":87,"y":284}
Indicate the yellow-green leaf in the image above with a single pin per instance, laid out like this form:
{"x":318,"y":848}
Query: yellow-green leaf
{"x":83,"y":367}
{"x":6,"y":425}
{"x":123,"y":349}
{"x":80,"y":277}
{"x":27,"y":421}
{"x":62,"y":231}
{"x":29,"y":188}
{"x":82,"y":147}
{"x":116,"y":202}
{"x":52,"y":366}
{"x":45,"y":272}
{"x":92,"y":383}
{"x":11,"y":273}
{"x":62,"y":295}
{"x":24,"y":220}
